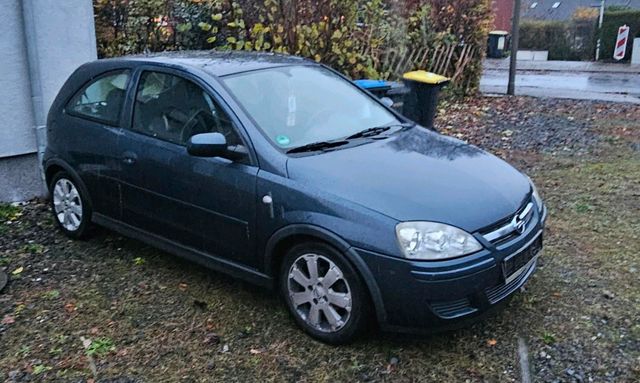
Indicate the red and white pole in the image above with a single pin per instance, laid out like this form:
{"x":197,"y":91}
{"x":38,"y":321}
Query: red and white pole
{"x":621,"y":42}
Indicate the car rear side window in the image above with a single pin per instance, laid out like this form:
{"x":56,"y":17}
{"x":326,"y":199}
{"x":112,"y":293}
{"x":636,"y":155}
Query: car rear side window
{"x":173,"y":109}
{"x":102,"y":98}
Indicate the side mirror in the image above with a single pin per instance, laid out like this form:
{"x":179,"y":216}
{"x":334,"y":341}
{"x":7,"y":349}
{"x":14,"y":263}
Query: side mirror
{"x":207,"y":145}
{"x":387,"y":101}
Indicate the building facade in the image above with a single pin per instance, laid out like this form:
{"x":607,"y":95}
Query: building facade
{"x":502,"y":14}
{"x":41,"y":43}
{"x":563,"y":10}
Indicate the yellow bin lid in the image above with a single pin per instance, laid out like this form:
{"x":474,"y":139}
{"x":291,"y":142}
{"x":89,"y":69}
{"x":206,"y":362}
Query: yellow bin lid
{"x":425,"y":77}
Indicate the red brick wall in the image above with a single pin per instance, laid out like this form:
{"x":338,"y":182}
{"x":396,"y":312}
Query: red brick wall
{"x":503,"y":10}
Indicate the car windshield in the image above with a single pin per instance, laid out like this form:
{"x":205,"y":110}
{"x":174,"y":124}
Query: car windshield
{"x":299,"y":105}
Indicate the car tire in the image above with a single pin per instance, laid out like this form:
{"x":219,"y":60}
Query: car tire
{"x":70,"y":206}
{"x":330,"y":304}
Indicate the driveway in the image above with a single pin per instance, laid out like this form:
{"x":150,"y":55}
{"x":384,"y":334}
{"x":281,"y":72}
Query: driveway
{"x":575,"y":80}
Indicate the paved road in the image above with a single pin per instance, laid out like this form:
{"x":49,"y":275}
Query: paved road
{"x":563,"y":66}
{"x":618,"y":87}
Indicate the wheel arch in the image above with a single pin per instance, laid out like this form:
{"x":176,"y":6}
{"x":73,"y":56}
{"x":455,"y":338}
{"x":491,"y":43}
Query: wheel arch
{"x":54,"y":166}
{"x":290,"y":235}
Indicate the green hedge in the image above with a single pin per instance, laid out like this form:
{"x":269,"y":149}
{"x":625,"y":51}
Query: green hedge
{"x":545,"y":35}
{"x":352,"y":36}
{"x":565,"y":40}
{"x":613,"y":19}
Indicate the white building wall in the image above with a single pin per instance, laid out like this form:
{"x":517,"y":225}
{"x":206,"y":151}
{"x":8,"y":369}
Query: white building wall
{"x":65,"y":39}
{"x":17,"y":125}
{"x":41,"y":43}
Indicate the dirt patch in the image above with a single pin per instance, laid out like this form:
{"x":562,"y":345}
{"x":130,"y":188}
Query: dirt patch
{"x":111,"y":309}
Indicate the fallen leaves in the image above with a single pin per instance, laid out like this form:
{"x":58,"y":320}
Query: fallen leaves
{"x":9,"y":213}
{"x":70,"y":307}
{"x":17,"y":271}
{"x":508,"y":123}
{"x":392,"y":365}
{"x":85,"y":342}
{"x":492,"y":342}
{"x":8,"y":319}
{"x":211,"y":339}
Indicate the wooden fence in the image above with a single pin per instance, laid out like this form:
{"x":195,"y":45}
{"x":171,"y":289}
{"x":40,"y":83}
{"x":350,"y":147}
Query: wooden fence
{"x":449,"y":60}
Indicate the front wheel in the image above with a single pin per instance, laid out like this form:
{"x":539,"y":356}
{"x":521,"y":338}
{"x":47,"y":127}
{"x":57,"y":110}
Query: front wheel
{"x":69,"y":206}
{"x":324,"y":293}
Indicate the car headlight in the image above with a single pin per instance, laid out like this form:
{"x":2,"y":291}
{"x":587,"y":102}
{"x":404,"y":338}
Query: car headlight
{"x":434,"y":241}
{"x":536,"y":195}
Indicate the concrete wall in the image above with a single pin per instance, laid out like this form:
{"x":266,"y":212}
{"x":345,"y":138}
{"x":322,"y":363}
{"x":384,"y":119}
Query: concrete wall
{"x":21,"y":178}
{"x":41,"y":43}
{"x":635,"y":52}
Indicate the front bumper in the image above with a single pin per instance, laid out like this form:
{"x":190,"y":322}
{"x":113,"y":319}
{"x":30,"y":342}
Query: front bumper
{"x":438,"y":295}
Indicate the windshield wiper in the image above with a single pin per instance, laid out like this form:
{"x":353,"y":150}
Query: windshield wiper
{"x":320,"y":145}
{"x":370,"y":132}
{"x":376,"y":130}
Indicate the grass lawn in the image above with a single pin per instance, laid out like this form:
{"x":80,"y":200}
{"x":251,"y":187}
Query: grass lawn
{"x":111,"y":309}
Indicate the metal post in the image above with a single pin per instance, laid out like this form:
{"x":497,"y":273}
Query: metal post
{"x":599,"y":29}
{"x":515,"y":35}
{"x":30,"y":32}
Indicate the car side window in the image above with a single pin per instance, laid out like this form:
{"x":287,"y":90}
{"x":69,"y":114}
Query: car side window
{"x":102,"y":98}
{"x":173,"y":109}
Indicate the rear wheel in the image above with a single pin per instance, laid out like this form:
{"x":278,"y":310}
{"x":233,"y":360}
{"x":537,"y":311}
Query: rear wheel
{"x":69,"y":206}
{"x":324,"y":293}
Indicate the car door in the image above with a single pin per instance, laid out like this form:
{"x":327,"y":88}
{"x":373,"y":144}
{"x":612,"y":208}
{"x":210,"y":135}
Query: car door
{"x":91,"y":123}
{"x":207,"y":204}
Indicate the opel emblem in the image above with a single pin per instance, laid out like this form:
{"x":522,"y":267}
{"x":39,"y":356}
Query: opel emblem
{"x":519,"y":224}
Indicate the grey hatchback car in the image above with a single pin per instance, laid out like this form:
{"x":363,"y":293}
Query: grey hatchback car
{"x":280,"y":171}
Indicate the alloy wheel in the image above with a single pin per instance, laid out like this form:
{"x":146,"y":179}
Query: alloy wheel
{"x":319,"y":292}
{"x":67,"y":204}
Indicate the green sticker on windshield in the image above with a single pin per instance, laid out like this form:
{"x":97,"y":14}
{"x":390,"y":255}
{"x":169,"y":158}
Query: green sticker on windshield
{"x":283,"y":140}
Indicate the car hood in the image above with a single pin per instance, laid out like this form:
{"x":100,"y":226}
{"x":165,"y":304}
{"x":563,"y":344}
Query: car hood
{"x":418,"y":175}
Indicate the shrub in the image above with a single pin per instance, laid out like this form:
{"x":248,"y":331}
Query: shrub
{"x":546,"y":35}
{"x":337,"y":33}
{"x":613,"y":19}
{"x":470,"y":22}
{"x":583,"y":33}
{"x":565,"y":40}
{"x":134,"y":26}
{"x":352,"y":36}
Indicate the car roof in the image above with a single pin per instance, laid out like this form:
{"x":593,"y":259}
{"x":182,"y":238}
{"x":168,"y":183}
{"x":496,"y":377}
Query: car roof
{"x":221,"y":63}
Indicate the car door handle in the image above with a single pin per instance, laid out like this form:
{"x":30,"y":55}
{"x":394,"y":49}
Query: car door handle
{"x":129,"y":158}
